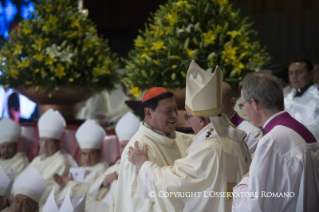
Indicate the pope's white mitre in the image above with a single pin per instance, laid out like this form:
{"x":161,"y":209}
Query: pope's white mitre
{"x":51,"y":204}
{"x":5,"y":184}
{"x":9,"y":131}
{"x":76,"y":204}
{"x":127,"y":126}
{"x":31,"y":184}
{"x":203,"y":91}
{"x":51,"y":124}
{"x":90,"y":135}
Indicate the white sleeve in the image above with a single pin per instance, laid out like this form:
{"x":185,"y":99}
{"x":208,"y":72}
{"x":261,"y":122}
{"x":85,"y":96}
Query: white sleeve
{"x":145,"y":179}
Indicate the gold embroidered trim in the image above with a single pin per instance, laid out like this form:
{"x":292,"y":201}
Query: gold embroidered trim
{"x":102,"y":193}
{"x":204,"y":113}
{"x":229,"y":190}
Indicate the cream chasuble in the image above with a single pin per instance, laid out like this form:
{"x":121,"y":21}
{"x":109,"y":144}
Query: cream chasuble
{"x":57,"y":163}
{"x":213,"y":165}
{"x":162,"y":150}
{"x":91,"y":175}
{"x":17,"y":163}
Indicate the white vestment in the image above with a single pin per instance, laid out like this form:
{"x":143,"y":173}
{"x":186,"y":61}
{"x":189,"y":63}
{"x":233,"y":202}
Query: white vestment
{"x":280,"y":168}
{"x":305,"y":108}
{"x":253,"y":132}
{"x":57,"y":163}
{"x":213,"y":164}
{"x":91,"y":175}
{"x":17,"y":163}
{"x":162,"y":150}
{"x":287,"y":89}
{"x":107,"y":203}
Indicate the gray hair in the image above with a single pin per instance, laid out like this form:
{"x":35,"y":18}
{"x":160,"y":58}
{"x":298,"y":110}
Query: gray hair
{"x":264,"y":88}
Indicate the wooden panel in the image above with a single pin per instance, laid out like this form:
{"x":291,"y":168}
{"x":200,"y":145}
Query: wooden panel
{"x":278,"y":5}
{"x":258,"y":5}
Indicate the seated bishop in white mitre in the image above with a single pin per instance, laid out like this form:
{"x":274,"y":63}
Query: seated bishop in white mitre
{"x":5,"y":191}
{"x":103,"y":192}
{"x":28,"y":189}
{"x":51,"y":160}
{"x":90,"y":137}
{"x":11,"y":160}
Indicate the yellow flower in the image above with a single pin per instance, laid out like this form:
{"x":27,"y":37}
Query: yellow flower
{"x":172,"y":18}
{"x":233,"y":33}
{"x":181,"y":5}
{"x":48,"y":7}
{"x":49,"y":60}
{"x":174,"y":66}
{"x":26,"y":30}
{"x":36,"y":70}
{"x":156,"y":31}
{"x":258,"y":59}
{"x":75,"y":22}
{"x":38,"y":57}
{"x":97,"y":71}
{"x":191,"y":53}
{"x":209,"y":37}
{"x":244,"y":42}
{"x":75,"y":34}
{"x":38,"y":44}
{"x":139,"y":43}
{"x":14,"y":73}
{"x":238,"y":66}
{"x":59,"y":71}
{"x":17,"y":49}
{"x":135,"y":91}
{"x":158,"y":45}
{"x":229,"y":53}
{"x":71,"y":79}
{"x":23,"y":63}
{"x":222,"y":2}
{"x":217,"y":28}
{"x":50,"y":24}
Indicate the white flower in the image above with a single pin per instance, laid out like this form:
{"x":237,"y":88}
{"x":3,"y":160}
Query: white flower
{"x":66,"y":56}
{"x":53,"y":51}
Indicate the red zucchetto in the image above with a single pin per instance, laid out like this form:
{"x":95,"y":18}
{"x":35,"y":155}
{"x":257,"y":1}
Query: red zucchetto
{"x":154,"y":92}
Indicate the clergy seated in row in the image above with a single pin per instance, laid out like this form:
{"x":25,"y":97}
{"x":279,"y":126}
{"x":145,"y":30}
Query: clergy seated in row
{"x":286,"y":161}
{"x":102,"y":193}
{"x":5,"y":191}
{"x":216,"y":159}
{"x":11,"y":160}
{"x":90,"y":137}
{"x":157,"y":131}
{"x":28,"y":188}
{"x":253,"y":132}
{"x":51,"y":160}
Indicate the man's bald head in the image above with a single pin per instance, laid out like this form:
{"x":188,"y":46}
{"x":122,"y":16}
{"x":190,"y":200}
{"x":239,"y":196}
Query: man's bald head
{"x":229,"y":100}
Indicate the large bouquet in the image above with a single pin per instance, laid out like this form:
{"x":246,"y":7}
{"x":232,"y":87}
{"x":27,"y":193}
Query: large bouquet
{"x":59,"y":46}
{"x":208,"y":31}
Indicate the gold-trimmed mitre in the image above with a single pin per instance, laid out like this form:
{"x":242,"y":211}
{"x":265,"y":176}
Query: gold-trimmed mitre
{"x":203,"y":91}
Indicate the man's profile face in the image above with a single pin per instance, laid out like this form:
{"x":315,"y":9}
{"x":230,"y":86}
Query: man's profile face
{"x":49,"y":146}
{"x":316,"y":73}
{"x":165,"y":116}
{"x":8,"y":149}
{"x":22,"y":203}
{"x":123,"y":145}
{"x":90,"y":157}
{"x":195,"y":122}
{"x":248,"y":110}
{"x":299,"y":76}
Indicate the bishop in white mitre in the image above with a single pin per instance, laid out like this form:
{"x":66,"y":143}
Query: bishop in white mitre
{"x":215,"y":161}
{"x":27,"y":190}
{"x":157,"y":131}
{"x":103,"y":192}
{"x":253,"y":132}
{"x":51,"y":160}
{"x":9,"y":137}
{"x":5,"y":191}
{"x":284,"y":174}
{"x":90,"y":137}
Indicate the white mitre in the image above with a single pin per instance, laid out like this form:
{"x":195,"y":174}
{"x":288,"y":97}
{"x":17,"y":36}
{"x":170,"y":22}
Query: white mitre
{"x":90,"y":135}
{"x":51,"y":124}
{"x":127,"y":126}
{"x":51,"y":204}
{"x":203,"y":91}
{"x":75,"y":204}
{"x":5,"y":184}
{"x":9,"y":131}
{"x":30,"y":183}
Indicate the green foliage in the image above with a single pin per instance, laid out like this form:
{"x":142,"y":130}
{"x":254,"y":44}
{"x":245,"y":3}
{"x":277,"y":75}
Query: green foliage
{"x":59,"y":46}
{"x":207,"y":31}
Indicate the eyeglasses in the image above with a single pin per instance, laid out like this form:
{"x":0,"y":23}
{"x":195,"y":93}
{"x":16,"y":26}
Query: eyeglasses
{"x":187,"y":117}
{"x":241,"y":105}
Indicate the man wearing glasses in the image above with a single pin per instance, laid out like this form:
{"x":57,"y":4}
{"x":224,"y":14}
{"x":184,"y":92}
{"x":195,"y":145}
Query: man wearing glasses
{"x":284,"y":171}
{"x":51,"y":160}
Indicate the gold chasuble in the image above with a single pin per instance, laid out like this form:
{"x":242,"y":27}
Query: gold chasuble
{"x":162,"y":150}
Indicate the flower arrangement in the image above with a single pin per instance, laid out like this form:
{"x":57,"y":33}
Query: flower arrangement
{"x":208,"y":31}
{"x":59,"y":46}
